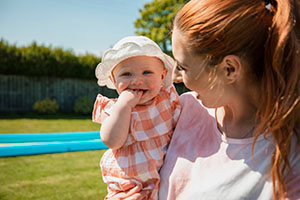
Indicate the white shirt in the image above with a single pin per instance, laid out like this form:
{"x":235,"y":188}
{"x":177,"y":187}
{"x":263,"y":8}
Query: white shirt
{"x":201,"y":163}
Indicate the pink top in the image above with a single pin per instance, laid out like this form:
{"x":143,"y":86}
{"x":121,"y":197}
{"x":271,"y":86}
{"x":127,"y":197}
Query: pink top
{"x":201,"y":163}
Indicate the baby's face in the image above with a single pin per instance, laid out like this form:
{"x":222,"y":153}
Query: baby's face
{"x":142,"y":73}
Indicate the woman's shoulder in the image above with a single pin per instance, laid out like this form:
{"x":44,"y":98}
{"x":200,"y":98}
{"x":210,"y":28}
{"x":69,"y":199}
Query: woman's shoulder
{"x":184,"y":97}
{"x":192,"y":109}
{"x":189,"y":101}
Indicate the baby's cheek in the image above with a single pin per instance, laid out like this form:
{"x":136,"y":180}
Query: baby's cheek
{"x":121,"y":87}
{"x":156,"y":86}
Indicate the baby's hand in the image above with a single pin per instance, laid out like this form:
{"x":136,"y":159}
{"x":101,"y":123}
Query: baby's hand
{"x":130,"y":97}
{"x":132,"y":194}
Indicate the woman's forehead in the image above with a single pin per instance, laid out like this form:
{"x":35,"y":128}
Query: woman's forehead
{"x":180,"y":52}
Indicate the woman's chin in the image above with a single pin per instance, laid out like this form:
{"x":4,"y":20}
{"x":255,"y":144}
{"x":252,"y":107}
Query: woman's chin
{"x":209,"y":104}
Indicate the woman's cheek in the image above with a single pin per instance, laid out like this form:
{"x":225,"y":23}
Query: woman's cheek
{"x":187,"y":84}
{"x":187,"y":81}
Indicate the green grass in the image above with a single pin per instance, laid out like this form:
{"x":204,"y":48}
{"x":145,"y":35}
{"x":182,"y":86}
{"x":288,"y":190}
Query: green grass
{"x":61,"y":176}
{"x":46,"y":124}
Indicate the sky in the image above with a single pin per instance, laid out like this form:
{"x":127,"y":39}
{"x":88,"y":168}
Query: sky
{"x":84,"y":26}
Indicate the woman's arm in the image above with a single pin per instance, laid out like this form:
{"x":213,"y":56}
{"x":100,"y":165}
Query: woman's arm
{"x":114,"y":130}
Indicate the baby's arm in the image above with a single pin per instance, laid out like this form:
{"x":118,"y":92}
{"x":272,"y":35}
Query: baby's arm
{"x":114,"y":130}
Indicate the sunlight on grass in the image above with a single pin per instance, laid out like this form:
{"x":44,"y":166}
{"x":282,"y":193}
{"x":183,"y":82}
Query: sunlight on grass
{"x":60,"y":176}
{"x":27,"y":125}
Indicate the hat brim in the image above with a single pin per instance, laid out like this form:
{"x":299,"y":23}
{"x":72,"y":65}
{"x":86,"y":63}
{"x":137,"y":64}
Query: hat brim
{"x":112,"y":57}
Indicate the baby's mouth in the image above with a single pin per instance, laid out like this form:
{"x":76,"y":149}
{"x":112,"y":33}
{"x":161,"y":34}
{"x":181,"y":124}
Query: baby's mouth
{"x":143,"y":91}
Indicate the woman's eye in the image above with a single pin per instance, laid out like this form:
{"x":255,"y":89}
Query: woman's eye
{"x":147,"y":72}
{"x":179,"y":68}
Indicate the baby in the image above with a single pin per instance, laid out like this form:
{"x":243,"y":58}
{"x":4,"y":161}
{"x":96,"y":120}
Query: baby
{"x":137,"y":126}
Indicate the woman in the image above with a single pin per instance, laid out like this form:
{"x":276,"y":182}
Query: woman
{"x":238,"y":134}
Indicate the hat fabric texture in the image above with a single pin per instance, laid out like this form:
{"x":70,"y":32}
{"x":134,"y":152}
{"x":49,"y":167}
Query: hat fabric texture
{"x":130,"y":47}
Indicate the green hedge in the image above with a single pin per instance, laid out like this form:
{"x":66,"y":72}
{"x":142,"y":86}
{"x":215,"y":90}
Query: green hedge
{"x":38,"y":60}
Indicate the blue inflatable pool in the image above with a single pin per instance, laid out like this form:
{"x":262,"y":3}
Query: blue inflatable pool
{"x":31,"y":144}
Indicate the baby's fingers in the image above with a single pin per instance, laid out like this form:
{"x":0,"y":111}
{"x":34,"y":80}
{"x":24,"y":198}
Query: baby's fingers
{"x":132,"y":194}
{"x":139,"y":93}
{"x":134,"y":190}
{"x":139,"y":196}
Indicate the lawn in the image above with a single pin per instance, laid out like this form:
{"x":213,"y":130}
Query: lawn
{"x":62,"y":176}
{"x":46,"y":124}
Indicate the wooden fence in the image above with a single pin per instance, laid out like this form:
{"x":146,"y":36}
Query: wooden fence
{"x":19,"y":93}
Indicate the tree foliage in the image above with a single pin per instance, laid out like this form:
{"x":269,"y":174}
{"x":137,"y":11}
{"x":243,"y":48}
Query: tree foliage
{"x":38,"y":60}
{"x":156,"y":21}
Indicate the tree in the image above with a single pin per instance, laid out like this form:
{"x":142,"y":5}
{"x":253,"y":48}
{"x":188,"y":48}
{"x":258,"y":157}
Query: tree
{"x":156,"y":21}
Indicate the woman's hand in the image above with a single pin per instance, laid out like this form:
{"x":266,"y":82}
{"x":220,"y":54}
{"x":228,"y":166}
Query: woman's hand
{"x":132,"y":194}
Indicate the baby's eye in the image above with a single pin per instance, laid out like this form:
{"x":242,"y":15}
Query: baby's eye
{"x":147,"y":72}
{"x":179,"y":68}
{"x":126,"y":74}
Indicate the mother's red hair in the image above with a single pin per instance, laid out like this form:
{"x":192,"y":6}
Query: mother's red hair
{"x":266,"y":34}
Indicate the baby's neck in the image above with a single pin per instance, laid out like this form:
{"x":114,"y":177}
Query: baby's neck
{"x":146,"y":103}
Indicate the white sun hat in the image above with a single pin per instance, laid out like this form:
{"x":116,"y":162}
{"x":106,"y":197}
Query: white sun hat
{"x":129,"y":47}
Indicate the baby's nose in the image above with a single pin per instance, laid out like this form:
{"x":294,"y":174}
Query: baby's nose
{"x":137,"y":80}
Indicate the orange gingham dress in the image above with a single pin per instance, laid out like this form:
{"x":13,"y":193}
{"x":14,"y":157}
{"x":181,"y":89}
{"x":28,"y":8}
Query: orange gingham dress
{"x":139,"y":160}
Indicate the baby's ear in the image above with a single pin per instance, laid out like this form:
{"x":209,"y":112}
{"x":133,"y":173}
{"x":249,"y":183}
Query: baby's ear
{"x":112,"y":79}
{"x":164,"y":74}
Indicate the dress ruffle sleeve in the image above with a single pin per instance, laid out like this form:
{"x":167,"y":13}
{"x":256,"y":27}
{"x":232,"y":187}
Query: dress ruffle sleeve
{"x":102,"y":108}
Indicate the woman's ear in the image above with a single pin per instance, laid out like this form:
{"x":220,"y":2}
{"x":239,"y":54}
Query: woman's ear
{"x":231,"y":67}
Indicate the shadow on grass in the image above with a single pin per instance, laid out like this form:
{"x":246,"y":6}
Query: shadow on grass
{"x":43,"y":116}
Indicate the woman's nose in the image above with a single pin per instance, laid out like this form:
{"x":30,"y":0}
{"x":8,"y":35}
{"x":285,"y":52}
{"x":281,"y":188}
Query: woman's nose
{"x":176,"y":76}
